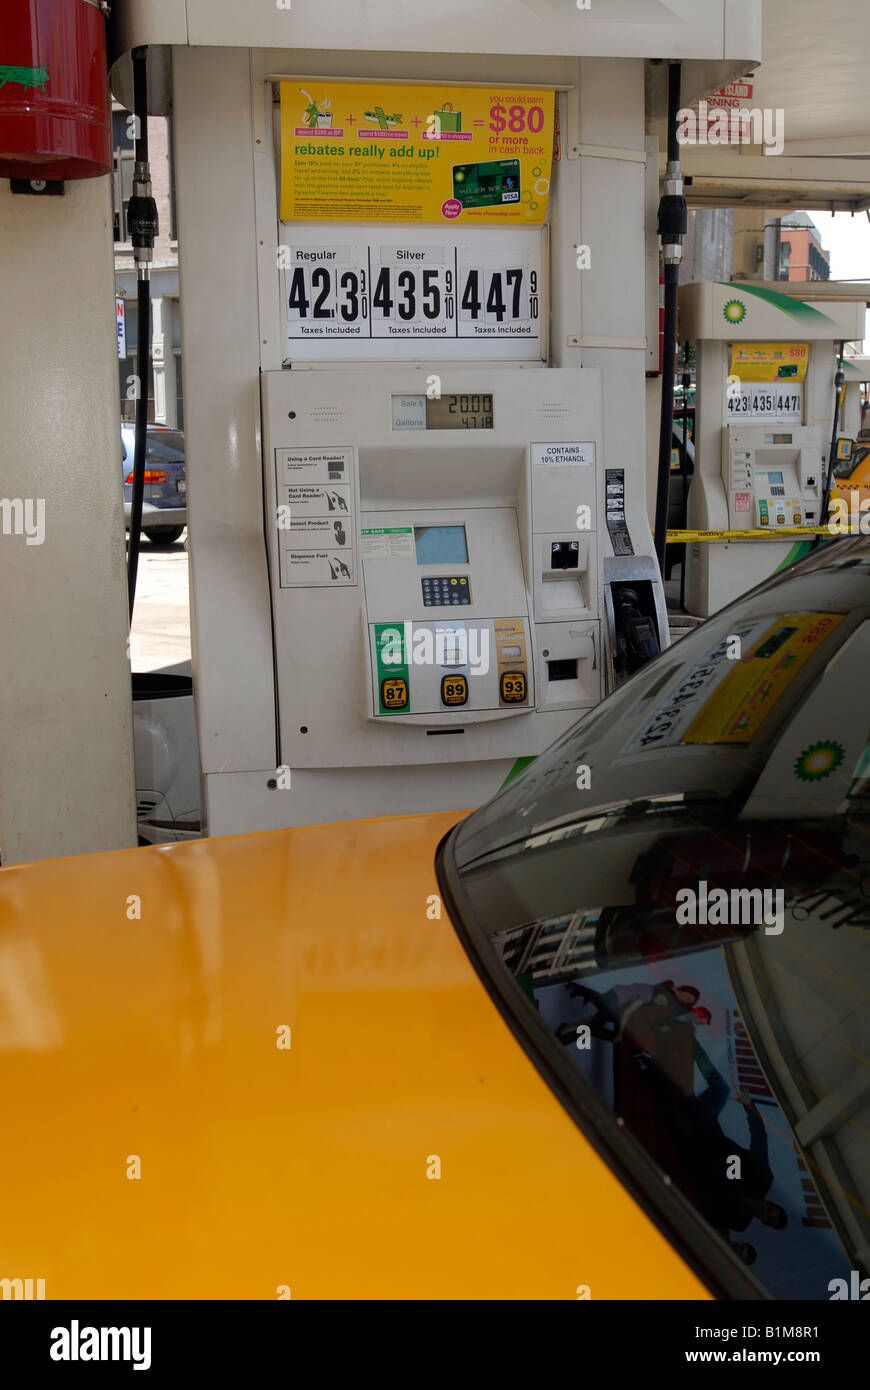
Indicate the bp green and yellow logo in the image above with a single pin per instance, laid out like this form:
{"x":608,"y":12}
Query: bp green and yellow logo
{"x":819,"y":760}
{"x":735,"y":311}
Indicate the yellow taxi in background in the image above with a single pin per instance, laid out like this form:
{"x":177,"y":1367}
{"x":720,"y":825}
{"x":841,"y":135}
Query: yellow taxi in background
{"x":604,"y":1038}
{"x":851,"y":476}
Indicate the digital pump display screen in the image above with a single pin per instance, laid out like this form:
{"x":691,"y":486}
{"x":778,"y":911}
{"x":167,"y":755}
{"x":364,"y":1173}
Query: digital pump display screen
{"x":465,"y":410}
{"x":775,"y":478}
{"x":441,"y":545}
{"x":468,"y":411}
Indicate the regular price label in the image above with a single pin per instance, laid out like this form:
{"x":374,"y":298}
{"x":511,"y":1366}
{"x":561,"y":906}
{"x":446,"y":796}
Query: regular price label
{"x":760,"y":402}
{"x":421,"y":292}
{"x":326,"y":292}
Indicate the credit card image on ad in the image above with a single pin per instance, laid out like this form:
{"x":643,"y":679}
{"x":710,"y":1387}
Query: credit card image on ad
{"x":488,"y":184}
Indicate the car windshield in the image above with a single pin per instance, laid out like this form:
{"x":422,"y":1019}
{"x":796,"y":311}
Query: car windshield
{"x":844,"y":468}
{"x":165,"y":446}
{"x":672,"y":909}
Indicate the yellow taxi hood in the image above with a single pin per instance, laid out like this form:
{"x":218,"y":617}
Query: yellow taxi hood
{"x":235,"y":1069}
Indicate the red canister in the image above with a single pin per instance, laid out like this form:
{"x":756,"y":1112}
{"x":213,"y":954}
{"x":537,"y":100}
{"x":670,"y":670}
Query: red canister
{"x":55,"y":107}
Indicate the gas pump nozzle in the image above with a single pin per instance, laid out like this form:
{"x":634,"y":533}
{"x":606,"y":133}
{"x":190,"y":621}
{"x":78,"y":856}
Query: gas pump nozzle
{"x":636,"y":637}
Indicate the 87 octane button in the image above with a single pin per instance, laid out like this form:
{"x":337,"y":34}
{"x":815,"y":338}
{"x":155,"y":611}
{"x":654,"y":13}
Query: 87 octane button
{"x":394,"y":693}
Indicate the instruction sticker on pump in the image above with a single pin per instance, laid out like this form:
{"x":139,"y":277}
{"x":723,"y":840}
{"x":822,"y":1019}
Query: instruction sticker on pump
{"x":316,"y":522}
{"x":374,"y":296}
{"x":316,"y":466}
{"x":310,"y":501}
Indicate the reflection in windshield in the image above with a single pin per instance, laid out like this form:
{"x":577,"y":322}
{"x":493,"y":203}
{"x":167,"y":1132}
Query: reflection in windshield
{"x":680,"y":888}
{"x":844,"y":468}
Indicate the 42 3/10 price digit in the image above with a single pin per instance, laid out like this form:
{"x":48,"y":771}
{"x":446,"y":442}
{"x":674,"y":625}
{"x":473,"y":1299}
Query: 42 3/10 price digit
{"x":313,"y":294}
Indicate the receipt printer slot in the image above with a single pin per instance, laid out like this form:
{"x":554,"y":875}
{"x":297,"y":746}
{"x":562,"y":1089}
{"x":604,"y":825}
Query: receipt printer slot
{"x":565,"y":669}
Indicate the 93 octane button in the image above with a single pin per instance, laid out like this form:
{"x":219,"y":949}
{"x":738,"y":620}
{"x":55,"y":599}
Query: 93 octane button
{"x":513,"y":687}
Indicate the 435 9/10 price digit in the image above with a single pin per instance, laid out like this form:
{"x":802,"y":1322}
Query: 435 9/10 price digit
{"x":410,"y":297}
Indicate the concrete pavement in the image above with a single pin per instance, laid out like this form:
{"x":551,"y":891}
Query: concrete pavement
{"x":160,"y":639}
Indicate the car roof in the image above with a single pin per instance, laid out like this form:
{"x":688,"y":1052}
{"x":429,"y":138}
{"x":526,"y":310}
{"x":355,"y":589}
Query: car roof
{"x":396,"y":1052}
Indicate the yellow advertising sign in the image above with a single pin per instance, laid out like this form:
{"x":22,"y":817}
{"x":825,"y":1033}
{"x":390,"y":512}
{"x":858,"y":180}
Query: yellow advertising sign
{"x":770,"y":361}
{"x":364,"y":152}
{"x":742,"y":701}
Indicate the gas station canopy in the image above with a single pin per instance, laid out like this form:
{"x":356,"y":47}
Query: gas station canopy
{"x":823,"y":106}
{"x":727,"y":178}
{"x":685,"y":29}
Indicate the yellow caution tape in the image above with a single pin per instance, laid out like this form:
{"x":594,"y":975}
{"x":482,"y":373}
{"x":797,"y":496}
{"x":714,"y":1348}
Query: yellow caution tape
{"x":781,"y":533}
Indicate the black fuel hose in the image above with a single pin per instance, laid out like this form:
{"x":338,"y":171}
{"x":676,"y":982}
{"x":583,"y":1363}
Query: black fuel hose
{"x":142,"y":223}
{"x":143,"y":350}
{"x":839,"y":378}
{"x":672,"y":224}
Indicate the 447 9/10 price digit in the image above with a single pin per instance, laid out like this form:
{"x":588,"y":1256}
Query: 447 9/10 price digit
{"x":496,"y":305}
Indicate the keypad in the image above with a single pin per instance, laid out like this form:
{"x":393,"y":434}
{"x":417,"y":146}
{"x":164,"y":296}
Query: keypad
{"x":446,"y":591}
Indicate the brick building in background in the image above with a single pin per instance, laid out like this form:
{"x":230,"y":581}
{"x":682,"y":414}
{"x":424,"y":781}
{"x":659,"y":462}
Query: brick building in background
{"x":801,"y":254}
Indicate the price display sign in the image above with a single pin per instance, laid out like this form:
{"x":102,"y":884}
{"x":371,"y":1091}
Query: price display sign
{"x":411,"y":293}
{"x":761,"y":402}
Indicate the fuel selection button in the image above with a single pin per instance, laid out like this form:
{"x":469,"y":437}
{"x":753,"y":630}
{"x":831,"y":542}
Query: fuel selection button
{"x":394,"y":693}
{"x":454,"y":690}
{"x":512,"y":687}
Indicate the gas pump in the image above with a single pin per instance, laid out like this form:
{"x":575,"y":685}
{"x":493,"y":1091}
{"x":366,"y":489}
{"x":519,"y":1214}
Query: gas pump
{"x":854,"y":413}
{"x":763,"y":411}
{"x":451,"y":547}
{"x":414,"y":408}
{"x":850,"y":479}
{"x":404,"y":563}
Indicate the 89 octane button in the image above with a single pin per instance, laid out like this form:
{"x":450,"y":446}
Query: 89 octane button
{"x":513,"y":687}
{"x":394,"y":693}
{"x":454,"y":690}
